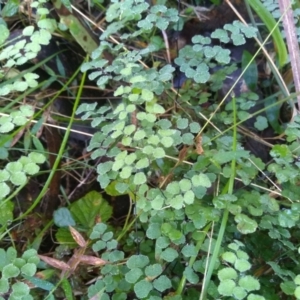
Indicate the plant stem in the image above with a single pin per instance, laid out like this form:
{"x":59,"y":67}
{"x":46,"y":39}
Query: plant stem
{"x":61,"y":150}
{"x":292,"y":42}
{"x":228,"y":189}
{"x":199,"y":244}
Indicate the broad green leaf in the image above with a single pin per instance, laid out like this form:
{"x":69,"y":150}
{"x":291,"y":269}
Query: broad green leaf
{"x":226,"y":287}
{"x":10,"y":271}
{"x":239,"y":293}
{"x":255,"y":297}
{"x":4,"y":33}
{"x":37,"y":158}
{"x":227,"y":273}
{"x":5,"y":190}
{"x":31,"y":256}
{"x":185,"y":185}
{"x":287,"y":218}
{"x":14,"y":167}
{"x":20,"y":289}
{"x":245,"y":224}
{"x":297,"y":292}
{"x":177,"y":202}
{"x":142,"y":288}
{"x":86,"y":209}
{"x":126,"y":172}
{"x":251,"y":72}
{"x":229,"y":257}
{"x":261,"y":123}
{"x":139,"y":178}
{"x":137,"y":261}
{"x":242,"y":265}
{"x":173,"y":188}
{"x":10,"y":9}
{"x":4,"y":286}
{"x":201,"y":180}
{"x":31,"y":168}
{"x":182,"y":123}
{"x":249,"y":283}
{"x":147,"y":95}
{"x":29,"y":269}
{"x":153,"y":270}
{"x":189,"y":197}
{"x":133,"y":275}
{"x":189,"y":250}
{"x":162,"y":283}
{"x":190,"y":275}
{"x":18,"y":178}
{"x":63,"y":218}
{"x":153,"y":231}
{"x":288,"y":287}
{"x":169,"y":255}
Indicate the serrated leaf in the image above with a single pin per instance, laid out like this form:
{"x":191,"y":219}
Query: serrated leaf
{"x":86,"y":209}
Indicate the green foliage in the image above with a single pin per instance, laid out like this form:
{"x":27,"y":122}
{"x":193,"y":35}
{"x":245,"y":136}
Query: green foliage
{"x":17,"y":118}
{"x":203,"y":205}
{"x":197,"y":61}
{"x":16,"y":174}
{"x":30,"y":41}
{"x":14,"y":269}
{"x":83,"y":212}
{"x":231,"y":283}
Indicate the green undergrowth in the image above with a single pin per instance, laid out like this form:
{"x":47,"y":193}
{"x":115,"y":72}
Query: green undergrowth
{"x":207,"y":218}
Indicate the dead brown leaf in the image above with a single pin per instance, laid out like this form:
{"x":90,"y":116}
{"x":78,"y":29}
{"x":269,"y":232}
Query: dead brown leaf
{"x":55,"y":263}
{"x":92,"y":260}
{"x":77,"y":237}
